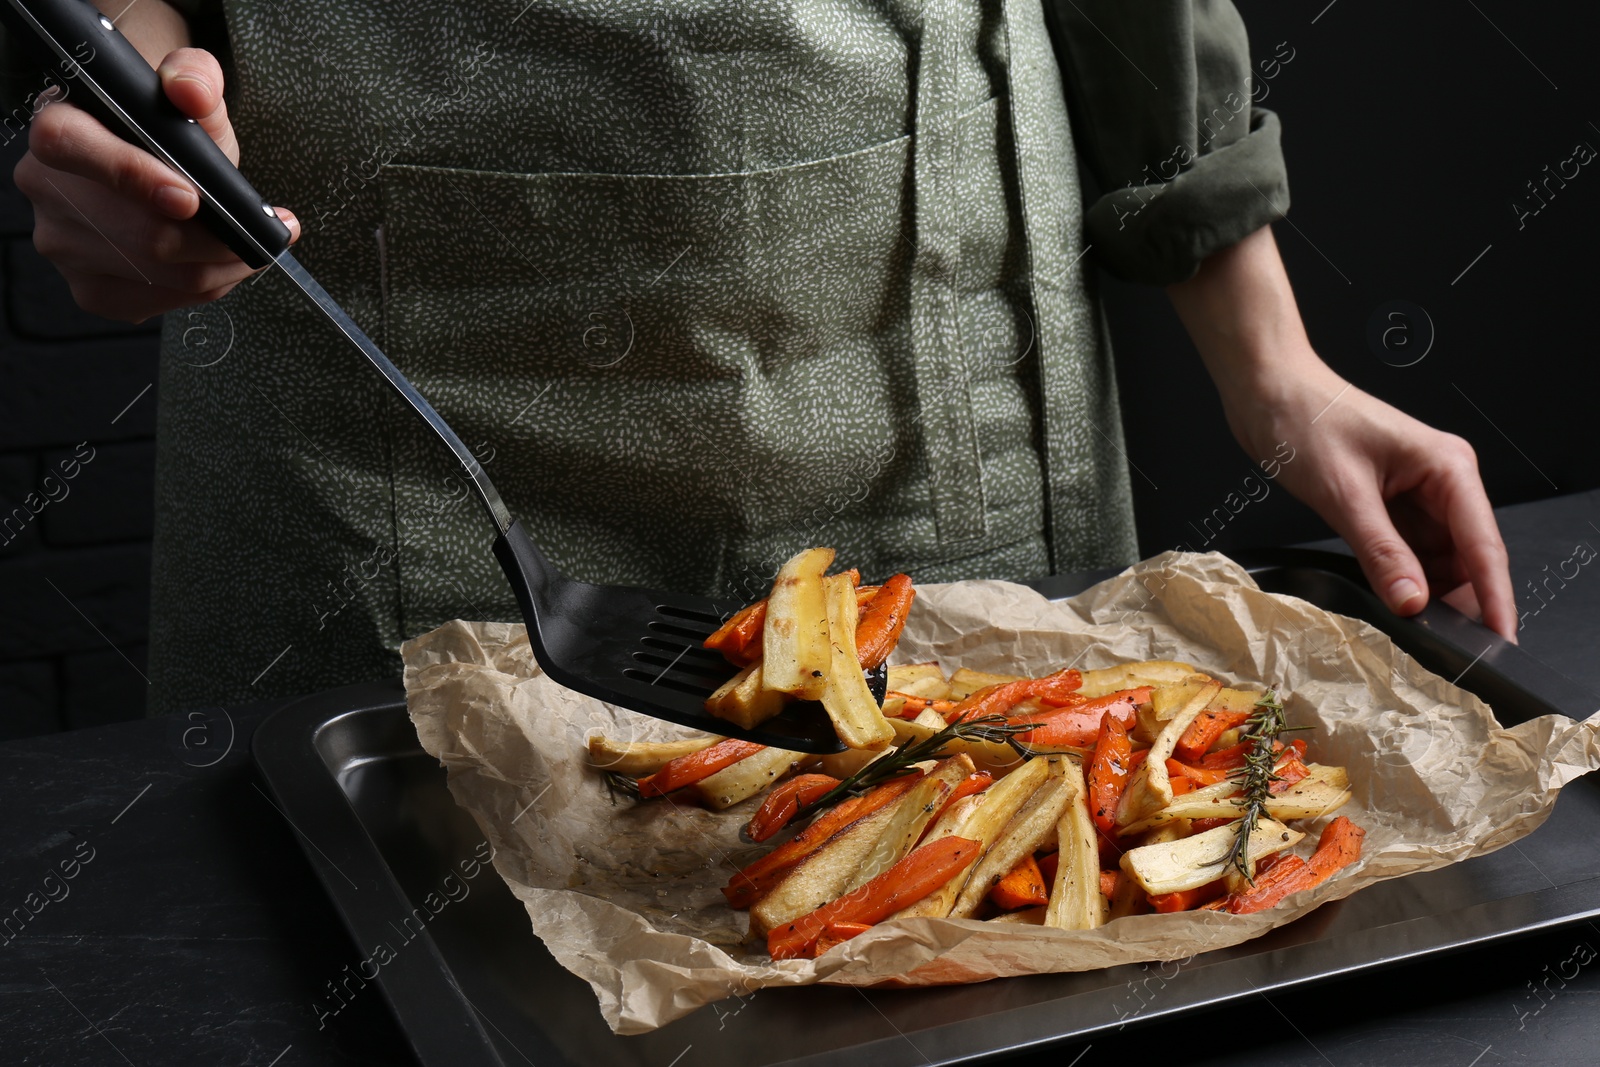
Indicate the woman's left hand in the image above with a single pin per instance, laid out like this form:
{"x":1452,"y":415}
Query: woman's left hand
{"x":1406,"y":497}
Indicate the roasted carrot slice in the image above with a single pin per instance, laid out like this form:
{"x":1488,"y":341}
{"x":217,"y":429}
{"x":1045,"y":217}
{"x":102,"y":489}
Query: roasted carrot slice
{"x":914,"y":877}
{"x":1230,"y":758}
{"x":786,"y":799}
{"x":1266,"y":863}
{"x":914,"y":705}
{"x":1204,"y":731}
{"x":739,"y":639}
{"x":1108,"y":883}
{"x":1287,"y":876}
{"x":999,"y":699}
{"x":976,"y":782}
{"x":686,"y":770}
{"x":1188,"y":899}
{"x":1288,"y":771}
{"x":882,"y":619}
{"x":1022,"y":887}
{"x":837,"y":933}
{"x":1224,"y":758}
{"x":1048,"y":863}
{"x":1078,"y":725}
{"x":1338,"y":847}
{"x":1108,"y":772}
{"x":757,"y":879}
{"x":1196,"y":776}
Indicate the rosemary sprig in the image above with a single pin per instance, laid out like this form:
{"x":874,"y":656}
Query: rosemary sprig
{"x":1256,"y":776}
{"x":620,"y":783}
{"x":899,"y":762}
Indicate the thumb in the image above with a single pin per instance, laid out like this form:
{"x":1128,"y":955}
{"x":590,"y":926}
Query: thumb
{"x":192,"y":78}
{"x":1385,"y":558}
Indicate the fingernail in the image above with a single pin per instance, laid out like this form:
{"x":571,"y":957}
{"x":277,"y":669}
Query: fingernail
{"x":178,"y":202}
{"x":1402,"y":593}
{"x":173,"y":72}
{"x":288,"y":219}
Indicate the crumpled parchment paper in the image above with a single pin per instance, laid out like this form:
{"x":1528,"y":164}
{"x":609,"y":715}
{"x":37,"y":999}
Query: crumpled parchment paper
{"x":626,"y":895}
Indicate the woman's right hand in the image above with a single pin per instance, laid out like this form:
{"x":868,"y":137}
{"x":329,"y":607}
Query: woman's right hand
{"x":117,"y":222}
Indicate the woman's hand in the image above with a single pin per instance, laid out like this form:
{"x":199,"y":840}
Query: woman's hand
{"x":1407,"y":498}
{"x":118,"y":223}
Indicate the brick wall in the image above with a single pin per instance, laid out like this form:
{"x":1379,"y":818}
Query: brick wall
{"x":77,"y":429}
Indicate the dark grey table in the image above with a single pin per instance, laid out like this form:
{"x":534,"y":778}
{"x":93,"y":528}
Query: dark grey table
{"x":155,"y":908}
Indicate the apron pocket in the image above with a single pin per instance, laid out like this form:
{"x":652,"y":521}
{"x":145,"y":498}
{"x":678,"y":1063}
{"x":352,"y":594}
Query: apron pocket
{"x":674,"y":380}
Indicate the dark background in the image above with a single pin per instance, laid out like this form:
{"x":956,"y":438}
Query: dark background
{"x":1410,"y":131}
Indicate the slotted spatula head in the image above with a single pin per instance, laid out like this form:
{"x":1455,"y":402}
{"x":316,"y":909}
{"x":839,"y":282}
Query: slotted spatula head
{"x":642,"y":650}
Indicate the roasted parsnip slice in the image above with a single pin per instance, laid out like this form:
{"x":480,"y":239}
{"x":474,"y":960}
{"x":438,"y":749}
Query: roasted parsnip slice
{"x":924,"y":680}
{"x":1235,"y":700}
{"x":1075,"y":900}
{"x":964,"y":682}
{"x":1030,"y":828}
{"x":912,"y":816}
{"x":855,"y":713}
{"x":1098,"y":683}
{"x":1194,"y":861}
{"x":1169,"y":701}
{"x":1321,"y":791}
{"x":795,"y":652}
{"x":842,"y":765}
{"x":828,"y":872}
{"x":981,"y":818}
{"x":744,"y":699}
{"x":749,"y":776}
{"x":639,"y":758}
{"x":909,"y":731}
{"x":1149,"y":790}
{"x":994,"y":756}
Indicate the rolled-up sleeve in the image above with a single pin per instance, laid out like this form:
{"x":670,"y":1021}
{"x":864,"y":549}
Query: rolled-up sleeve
{"x":1162,"y":95}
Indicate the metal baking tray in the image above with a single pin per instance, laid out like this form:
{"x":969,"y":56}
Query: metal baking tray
{"x":471,"y":985}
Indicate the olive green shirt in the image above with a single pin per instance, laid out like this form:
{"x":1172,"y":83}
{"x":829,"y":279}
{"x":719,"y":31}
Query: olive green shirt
{"x":701,"y":283}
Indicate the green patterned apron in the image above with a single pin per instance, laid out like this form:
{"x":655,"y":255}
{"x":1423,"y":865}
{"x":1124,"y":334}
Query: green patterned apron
{"x":701,"y":282}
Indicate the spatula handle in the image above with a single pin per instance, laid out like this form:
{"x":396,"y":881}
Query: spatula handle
{"x":105,"y":75}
